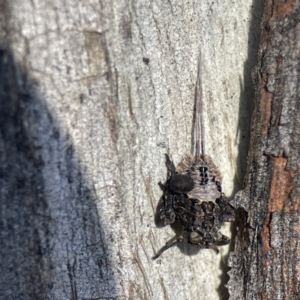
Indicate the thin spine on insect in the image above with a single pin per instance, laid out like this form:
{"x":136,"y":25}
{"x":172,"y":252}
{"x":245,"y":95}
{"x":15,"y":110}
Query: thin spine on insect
{"x":199,"y":120}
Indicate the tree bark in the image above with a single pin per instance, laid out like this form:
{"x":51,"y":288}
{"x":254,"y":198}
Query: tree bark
{"x":93,"y":94}
{"x":266,"y":260}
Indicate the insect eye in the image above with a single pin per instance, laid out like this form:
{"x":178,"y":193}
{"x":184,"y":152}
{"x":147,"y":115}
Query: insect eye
{"x":181,"y":183}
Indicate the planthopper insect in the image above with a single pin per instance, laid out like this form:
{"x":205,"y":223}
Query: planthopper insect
{"x":193,"y":194}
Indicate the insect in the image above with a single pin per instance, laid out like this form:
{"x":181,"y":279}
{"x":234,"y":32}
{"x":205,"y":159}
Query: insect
{"x":193,"y":194}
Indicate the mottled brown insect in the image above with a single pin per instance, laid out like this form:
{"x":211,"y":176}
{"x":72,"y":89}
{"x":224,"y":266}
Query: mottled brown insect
{"x":193,"y":194}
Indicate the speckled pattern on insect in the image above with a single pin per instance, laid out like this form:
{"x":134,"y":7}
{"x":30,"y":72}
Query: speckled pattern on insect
{"x":193,"y":194}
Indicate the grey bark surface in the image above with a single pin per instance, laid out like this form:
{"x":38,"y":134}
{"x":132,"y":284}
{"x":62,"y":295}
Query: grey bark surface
{"x":92,"y":95}
{"x":266,"y":259}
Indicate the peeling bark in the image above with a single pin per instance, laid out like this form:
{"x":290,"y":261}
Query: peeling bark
{"x":266,"y":260}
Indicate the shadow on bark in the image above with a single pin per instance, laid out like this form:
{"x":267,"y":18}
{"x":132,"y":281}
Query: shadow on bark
{"x":243,"y":134}
{"x":51,"y":237}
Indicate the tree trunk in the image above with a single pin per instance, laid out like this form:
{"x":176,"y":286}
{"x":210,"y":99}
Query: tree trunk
{"x":93,"y":94}
{"x":266,"y":260}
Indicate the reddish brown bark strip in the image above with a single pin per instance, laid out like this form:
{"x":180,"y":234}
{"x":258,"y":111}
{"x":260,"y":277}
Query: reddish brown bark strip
{"x":266,"y":260}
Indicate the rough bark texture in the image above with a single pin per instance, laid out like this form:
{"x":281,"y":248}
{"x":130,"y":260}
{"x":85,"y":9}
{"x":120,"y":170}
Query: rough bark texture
{"x":93,"y":94}
{"x":266,"y":261}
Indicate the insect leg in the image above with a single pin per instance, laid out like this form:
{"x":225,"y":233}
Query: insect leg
{"x":227,"y":211}
{"x":170,"y":165}
{"x":167,"y":214}
{"x":222,"y":240}
{"x":175,"y":240}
